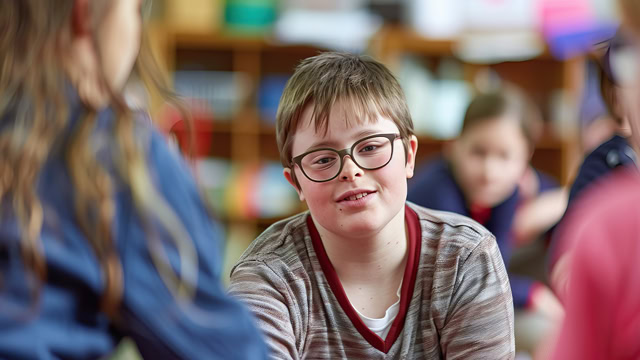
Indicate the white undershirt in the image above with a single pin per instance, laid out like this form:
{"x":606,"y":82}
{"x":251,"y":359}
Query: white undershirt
{"x":382,"y":325}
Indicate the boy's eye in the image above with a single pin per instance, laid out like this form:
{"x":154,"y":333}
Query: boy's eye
{"x":320,"y":159}
{"x":476,"y":151}
{"x":325,"y":160}
{"x":369,"y":146}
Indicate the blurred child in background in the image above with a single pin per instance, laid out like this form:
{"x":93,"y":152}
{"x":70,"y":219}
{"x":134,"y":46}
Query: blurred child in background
{"x":615,"y":151}
{"x":102,"y":231}
{"x":597,"y":123}
{"x":484,"y":174}
{"x":613,"y":154}
{"x":601,"y":237}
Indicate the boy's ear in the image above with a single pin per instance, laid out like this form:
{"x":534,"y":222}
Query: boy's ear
{"x":289,"y":176}
{"x":412,"y":150}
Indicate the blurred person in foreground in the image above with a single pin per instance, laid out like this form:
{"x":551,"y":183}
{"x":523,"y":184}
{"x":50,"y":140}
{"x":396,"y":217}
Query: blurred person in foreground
{"x":602,"y":296}
{"x":102,"y":231}
{"x":610,"y":157}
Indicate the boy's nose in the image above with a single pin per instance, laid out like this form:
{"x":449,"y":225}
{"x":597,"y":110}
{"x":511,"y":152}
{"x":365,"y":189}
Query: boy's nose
{"x":349,"y":169}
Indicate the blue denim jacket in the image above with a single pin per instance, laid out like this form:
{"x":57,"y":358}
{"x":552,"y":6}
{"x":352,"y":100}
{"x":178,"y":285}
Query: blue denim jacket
{"x":68,"y":323}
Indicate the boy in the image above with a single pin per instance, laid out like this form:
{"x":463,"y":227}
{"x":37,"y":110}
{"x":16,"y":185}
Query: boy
{"x":363,"y":274}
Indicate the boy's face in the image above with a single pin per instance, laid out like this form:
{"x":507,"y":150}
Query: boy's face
{"x":331,"y":203}
{"x":489,"y":159}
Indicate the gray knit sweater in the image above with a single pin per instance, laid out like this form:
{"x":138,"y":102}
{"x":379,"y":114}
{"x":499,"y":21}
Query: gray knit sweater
{"x":455,"y":299}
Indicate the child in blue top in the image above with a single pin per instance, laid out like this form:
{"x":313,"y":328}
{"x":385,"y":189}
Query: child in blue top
{"x":612,"y":155}
{"x":603,"y":321}
{"x":616,"y":151}
{"x":480,"y":175}
{"x":102,"y":231}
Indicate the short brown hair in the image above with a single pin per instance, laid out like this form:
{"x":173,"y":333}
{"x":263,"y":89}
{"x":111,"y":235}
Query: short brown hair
{"x":323,"y":79}
{"x":609,"y":93}
{"x":630,"y":10}
{"x":508,"y":101}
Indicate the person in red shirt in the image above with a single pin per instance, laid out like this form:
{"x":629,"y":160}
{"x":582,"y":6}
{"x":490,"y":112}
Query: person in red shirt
{"x":602,"y":301}
{"x":602,"y":297}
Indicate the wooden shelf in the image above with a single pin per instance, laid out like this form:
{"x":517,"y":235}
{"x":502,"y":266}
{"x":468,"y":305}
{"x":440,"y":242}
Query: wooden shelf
{"x":246,"y":138}
{"x":225,"y":41}
{"x":401,"y":38}
{"x":216,"y":41}
{"x":393,"y":39}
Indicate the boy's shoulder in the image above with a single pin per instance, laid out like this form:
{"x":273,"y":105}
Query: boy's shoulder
{"x":280,"y":242}
{"x":285,"y":243}
{"x":449,"y":228}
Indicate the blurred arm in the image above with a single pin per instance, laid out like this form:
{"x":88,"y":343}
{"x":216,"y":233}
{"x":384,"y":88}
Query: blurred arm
{"x":538,"y":215}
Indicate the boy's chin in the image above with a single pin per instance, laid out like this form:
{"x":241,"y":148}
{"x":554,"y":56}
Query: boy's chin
{"x":355,"y":227}
{"x":365,"y":226}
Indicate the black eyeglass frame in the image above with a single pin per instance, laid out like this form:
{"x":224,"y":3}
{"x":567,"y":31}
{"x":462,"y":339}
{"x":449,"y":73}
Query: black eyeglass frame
{"x":348,"y":151}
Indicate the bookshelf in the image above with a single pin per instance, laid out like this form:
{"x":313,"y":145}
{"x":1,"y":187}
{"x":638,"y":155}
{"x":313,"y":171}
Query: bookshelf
{"x":247,"y":138}
{"x":557,"y":153}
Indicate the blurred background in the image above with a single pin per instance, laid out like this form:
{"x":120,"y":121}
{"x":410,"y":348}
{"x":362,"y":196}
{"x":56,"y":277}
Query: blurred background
{"x":230,"y":61}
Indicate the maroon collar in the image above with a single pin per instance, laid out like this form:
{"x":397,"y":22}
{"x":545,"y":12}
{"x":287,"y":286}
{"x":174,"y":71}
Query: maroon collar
{"x":481,"y":214}
{"x":406,"y":292}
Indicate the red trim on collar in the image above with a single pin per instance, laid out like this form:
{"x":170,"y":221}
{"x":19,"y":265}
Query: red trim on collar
{"x":406,"y":293}
{"x":481,"y":214}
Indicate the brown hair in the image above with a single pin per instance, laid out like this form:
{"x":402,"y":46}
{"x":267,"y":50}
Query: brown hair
{"x":609,"y":93}
{"x":34,"y":35}
{"x":631,"y":15}
{"x":322,"y":80}
{"x":631,"y":12}
{"x":509,"y":101}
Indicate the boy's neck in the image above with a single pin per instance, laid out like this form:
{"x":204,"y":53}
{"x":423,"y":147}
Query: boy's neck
{"x":380,"y":257}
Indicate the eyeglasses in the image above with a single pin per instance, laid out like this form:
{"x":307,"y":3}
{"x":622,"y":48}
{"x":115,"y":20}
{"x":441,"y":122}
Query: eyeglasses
{"x":369,"y":153}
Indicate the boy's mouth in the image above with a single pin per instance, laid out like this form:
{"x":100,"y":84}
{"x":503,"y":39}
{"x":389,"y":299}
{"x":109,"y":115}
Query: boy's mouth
{"x":354,"y":195}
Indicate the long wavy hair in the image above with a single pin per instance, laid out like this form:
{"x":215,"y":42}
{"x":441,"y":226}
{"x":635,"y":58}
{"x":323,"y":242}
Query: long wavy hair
{"x":630,"y":10}
{"x":33,"y":37}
